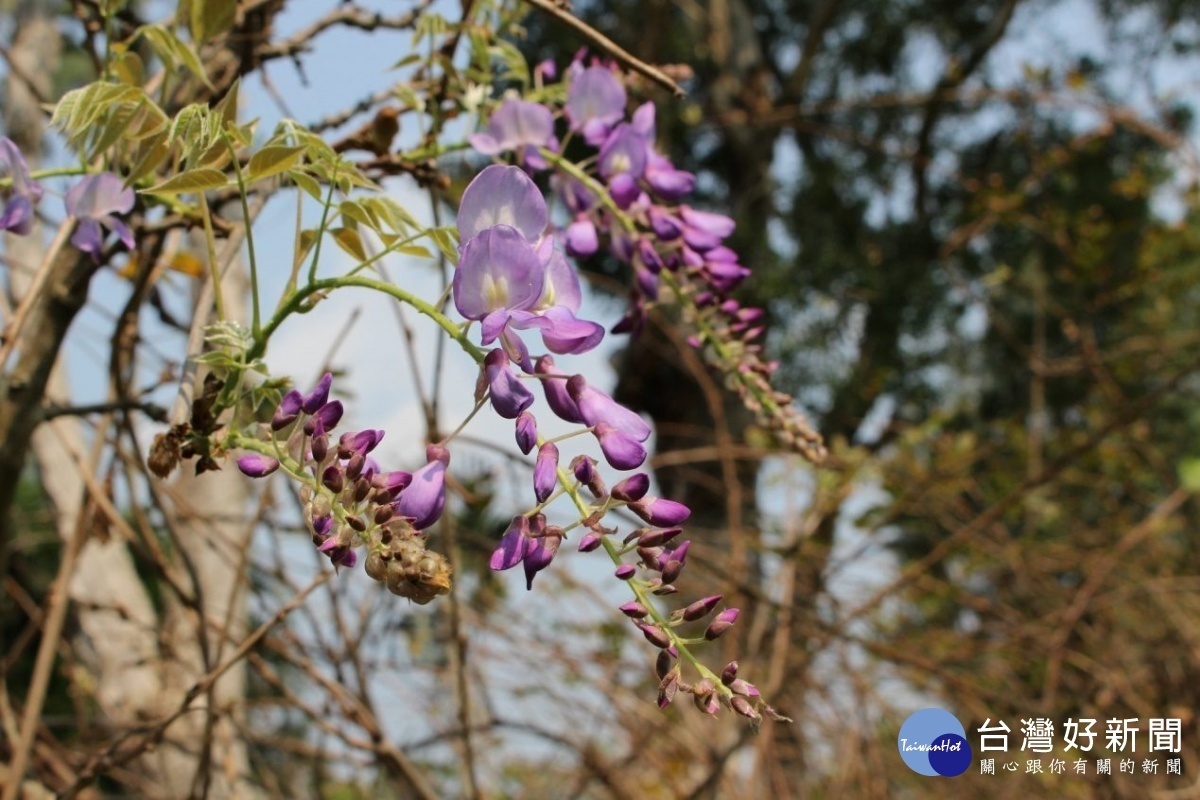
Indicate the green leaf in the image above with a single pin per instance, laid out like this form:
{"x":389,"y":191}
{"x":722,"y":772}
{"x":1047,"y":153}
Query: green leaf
{"x":273,"y":159}
{"x":414,"y":250}
{"x":196,"y":180}
{"x":349,"y":240}
{"x":209,"y":18}
{"x":303,"y":245}
{"x":447,"y":241}
{"x":306,"y":182}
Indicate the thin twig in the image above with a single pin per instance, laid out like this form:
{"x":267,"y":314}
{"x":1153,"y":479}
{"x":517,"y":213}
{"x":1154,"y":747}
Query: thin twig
{"x":608,"y":45}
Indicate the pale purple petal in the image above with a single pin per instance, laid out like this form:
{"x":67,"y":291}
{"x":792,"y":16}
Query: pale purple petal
{"x":424,"y":499}
{"x":557,"y":396}
{"x":88,"y":237}
{"x":620,"y":450}
{"x":595,"y":102}
{"x":595,"y":407}
{"x":498,"y":269}
{"x":562,"y":332}
{"x":18,"y":215}
{"x":256,"y":465}
{"x":99,"y":195}
{"x":502,"y":195}
{"x":581,"y":238}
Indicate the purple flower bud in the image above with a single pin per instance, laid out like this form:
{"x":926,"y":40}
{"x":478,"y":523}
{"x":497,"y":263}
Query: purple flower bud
{"x":318,"y":396}
{"x":658,"y":511}
{"x":663,"y":663}
{"x":510,"y":396}
{"x":288,"y":411}
{"x":729,"y":673}
{"x":586,"y":473}
{"x":632,"y":488}
{"x":425,"y":498}
{"x":634,"y":609}
{"x":355,"y":466}
{"x":256,"y":465}
{"x":722,"y":623}
{"x":581,"y":238}
{"x":744,"y":688}
{"x":670,"y":570}
{"x":526,"y":432}
{"x":743,"y":706}
{"x":625,"y":572}
{"x":701,"y":608}
{"x":328,"y":415}
{"x":656,"y":537}
{"x":333,"y":479}
{"x":589,"y":542}
{"x":655,"y":635}
{"x":361,"y":442}
{"x":512,"y":545}
{"x":545,"y":471}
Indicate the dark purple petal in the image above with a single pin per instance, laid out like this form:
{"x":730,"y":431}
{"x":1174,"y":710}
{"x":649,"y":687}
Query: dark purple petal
{"x":18,"y":215}
{"x":288,"y":410}
{"x":702,"y":608}
{"x":318,"y":396}
{"x":502,"y":195}
{"x":632,"y":488}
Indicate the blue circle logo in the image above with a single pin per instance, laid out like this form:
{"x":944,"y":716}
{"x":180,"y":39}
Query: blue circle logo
{"x":933,"y":742}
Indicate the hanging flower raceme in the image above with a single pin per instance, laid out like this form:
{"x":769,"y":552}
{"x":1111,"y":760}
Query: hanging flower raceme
{"x":22,"y":194}
{"x":349,"y":503}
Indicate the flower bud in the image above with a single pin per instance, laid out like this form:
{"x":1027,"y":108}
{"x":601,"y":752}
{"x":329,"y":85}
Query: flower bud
{"x":625,"y":572}
{"x":663,"y":664}
{"x":256,"y":465}
{"x":658,"y":511}
{"x":655,"y":635}
{"x":526,"y":432}
{"x":589,"y":542}
{"x":333,"y":479}
{"x":743,"y":688}
{"x":701,"y":608}
{"x":634,"y":610}
{"x":632,"y":488}
{"x":318,"y":396}
{"x":545,"y":471}
{"x":729,"y":673}
{"x":287,"y":412}
{"x":656,"y":537}
{"x":668,"y":688}
{"x":722,"y":623}
{"x":742,"y":706}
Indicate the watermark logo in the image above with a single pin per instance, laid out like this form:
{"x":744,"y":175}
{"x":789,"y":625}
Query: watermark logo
{"x":933,"y":742}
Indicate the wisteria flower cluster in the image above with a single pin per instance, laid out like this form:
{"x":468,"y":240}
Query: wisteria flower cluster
{"x":631,"y":201}
{"x":349,"y":502}
{"x":94,"y":202}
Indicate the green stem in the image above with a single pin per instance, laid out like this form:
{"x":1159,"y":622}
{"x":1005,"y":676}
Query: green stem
{"x":210,"y":241}
{"x":255,"y":325}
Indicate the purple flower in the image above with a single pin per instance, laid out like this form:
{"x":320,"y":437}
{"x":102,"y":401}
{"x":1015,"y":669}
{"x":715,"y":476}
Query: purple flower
{"x":23,"y":194}
{"x":509,"y":275}
{"x":518,"y":125}
{"x":632,"y":488}
{"x":619,"y":430}
{"x":257,"y":466}
{"x":528,"y":540}
{"x":94,"y":202}
{"x":622,"y":162}
{"x":545,"y":471}
{"x":704,"y":230}
{"x":510,"y":396}
{"x":540,"y":552}
{"x":425,"y":497}
{"x":595,"y":102}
